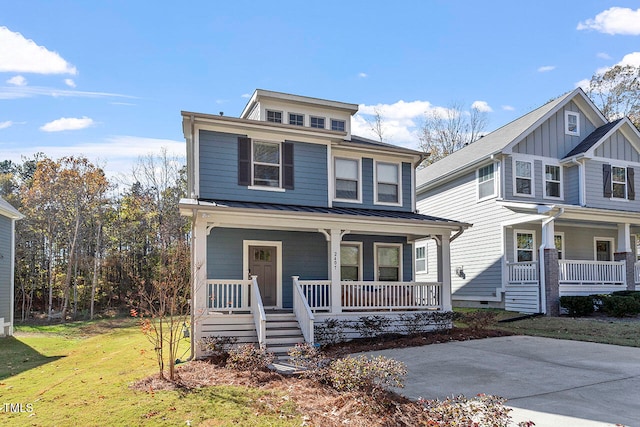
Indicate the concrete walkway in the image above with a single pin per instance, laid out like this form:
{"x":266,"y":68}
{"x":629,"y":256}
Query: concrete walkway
{"x":551,"y":382}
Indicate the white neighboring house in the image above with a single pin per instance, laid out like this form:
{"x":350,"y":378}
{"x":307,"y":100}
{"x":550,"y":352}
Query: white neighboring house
{"x":8,"y":217}
{"x":552,"y":200}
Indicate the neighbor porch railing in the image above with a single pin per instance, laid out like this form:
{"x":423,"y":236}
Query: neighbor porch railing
{"x":373,"y":296}
{"x":592,"y":272}
{"x":302,"y":311}
{"x":522,"y":272}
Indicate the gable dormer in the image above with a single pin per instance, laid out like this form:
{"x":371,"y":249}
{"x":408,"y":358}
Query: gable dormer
{"x":296,"y":110}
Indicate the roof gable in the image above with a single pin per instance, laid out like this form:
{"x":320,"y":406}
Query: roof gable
{"x":592,"y":143}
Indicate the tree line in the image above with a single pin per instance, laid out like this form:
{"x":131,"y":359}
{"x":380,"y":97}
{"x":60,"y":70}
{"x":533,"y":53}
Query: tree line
{"x":88,"y":243}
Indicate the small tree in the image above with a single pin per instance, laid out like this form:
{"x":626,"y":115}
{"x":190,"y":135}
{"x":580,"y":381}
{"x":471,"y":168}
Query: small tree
{"x":164,"y":305}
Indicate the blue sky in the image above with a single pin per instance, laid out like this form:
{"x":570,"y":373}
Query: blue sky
{"x":108,"y":79}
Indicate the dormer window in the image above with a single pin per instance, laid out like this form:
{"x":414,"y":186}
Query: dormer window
{"x":572,"y":123}
{"x":274,"y":116}
{"x":317,"y":122}
{"x":338,"y":125}
{"x":296,"y":119}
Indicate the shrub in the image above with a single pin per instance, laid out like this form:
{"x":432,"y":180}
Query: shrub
{"x":482,"y":410}
{"x":308,"y":356}
{"x":249,"y":357}
{"x":477,"y":320}
{"x":628,"y":293}
{"x":217,"y":348}
{"x":578,"y":305}
{"x":371,"y":326}
{"x":619,"y":306}
{"x":371,"y":375}
{"x":422,"y":321}
{"x":331,"y":331}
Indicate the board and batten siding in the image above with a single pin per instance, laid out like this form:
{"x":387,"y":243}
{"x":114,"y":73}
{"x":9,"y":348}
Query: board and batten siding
{"x":6,"y":255}
{"x":619,"y":148}
{"x":218,"y":163}
{"x":549,"y":139}
{"x":595,"y":189}
{"x":478,"y":251}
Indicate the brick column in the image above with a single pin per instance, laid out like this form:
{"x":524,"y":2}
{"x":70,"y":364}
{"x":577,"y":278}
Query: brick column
{"x":552,"y":285}
{"x":630,"y":267}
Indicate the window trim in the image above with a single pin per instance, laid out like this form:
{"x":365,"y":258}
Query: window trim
{"x":534,"y":250}
{"x":344,"y":125}
{"x":360,"y":257}
{"x":566,"y":123}
{"x":532,"y":177}
{"x":266,"y":114}
{"x":324,"y":121}
{"x":560,"y":182}
{"x":376,"y":182}
{"x":358,"y":161}
{"x":562,"y":249}
{"x":495,"y":183}
{"x":626,"y":183}
{"x":376,"y":265}
{"x":296,"y":114}
{"x":420,"y":245}
{"x":612,"y":246}
{"x":253,"y":163}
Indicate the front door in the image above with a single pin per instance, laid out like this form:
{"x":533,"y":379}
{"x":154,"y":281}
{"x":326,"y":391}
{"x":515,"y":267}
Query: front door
{"x":603,"y":250}
{"x":263,"y":263}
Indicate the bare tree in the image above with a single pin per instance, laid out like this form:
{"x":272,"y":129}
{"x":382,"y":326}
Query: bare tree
{"x":377,"y":124}
{"x":447,"y":130}
{"x":617,"y":92}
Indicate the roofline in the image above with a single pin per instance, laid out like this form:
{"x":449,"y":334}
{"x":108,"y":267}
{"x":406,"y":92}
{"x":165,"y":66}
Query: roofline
{"x":455,"y":173}
{"x":12,"y":213}
{"x":351,"y":108}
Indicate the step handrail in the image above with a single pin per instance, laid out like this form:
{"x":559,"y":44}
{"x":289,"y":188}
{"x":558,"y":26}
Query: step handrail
{"x":303,"y":312}
{"x":259,"y":316}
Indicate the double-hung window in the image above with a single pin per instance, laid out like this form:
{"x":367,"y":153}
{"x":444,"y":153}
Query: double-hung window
{"x":421,"y":259}
{"x":266,"y":164}
{"x":523,"y":178}
{"x":552,"y":181}
{"x":347,"y":173}
{"x":338,"y":125}
{"x":572,"y":123}
{"x":525,"y":246}
{"x":351,"y":261}
{"x":486,"y":182}
{"x":296,"y":119}
{"x":274,"y":116}
{"x":388,"y":262}
{"x":558,"y":241}
{"x":317,"y":122}
{"x":619,"y":182}
{"x":387,"y":183}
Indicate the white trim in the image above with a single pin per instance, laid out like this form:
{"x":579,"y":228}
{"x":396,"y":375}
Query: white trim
{"x":561,"y":234}
{"x":360,"y":256}
{"x":612,"y":246}
{"x":358,"y":161}
{"x":196,"y":160}
{"x":544,"y":180}
{"x":375,"y":183}
{"x":400,"y":246}
{"x":266,"y":188}
{"x":534,"y":248}
{"x":12,"y":254}
{"x":568,"y":113}
{"x":522,"y":159}
{"x":245,"y":263}
{"x":495,"y":183}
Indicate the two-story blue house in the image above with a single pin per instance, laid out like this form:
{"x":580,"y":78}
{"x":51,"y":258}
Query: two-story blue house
{"x":296,"y":220}
{"x":552,"y":200}
{"x":8,"y":217}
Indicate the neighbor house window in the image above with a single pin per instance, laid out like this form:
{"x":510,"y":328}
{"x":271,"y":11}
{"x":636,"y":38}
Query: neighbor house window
{"x":347,"y":172}
{"x":317,"y":122}
{"x":572,"y":123}
{"x":337,"y":125}
{"x":558,"y":241}
{"x":552,"y":181}
{"x":388,"y":262}
{"x":274,"y":116}
{"x":486,"y":182}
{"x":351,"y":261}
{"x":387,"y":182}
{"x":296,"y":119}
{"x":266,"y":164}
{"x":525,"y":246}
{"x":524,"y":178}
{"x":421,"y":259}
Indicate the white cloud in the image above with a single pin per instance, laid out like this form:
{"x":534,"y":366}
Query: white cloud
{"x":508,"y":108}
{"x":363,"y":75}
{"x":245,"y":95}
{"x":482,"y":106}
{"x":546,"y":68}
{"x":21,"y":55}
{"x":616,"y":20}
{"x":30,"y":91}
{"x":632,"y":59}
{"x":17,"y":81}
{"x":603,"y":55}
{"x":70,"y":82}
{"x":4,"y":125}
{"x":67,"y":123}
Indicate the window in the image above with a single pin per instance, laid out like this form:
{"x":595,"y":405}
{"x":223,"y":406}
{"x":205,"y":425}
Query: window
{"x":552,"y":181}
{"x":350,"y":261}
{"x":387,"y":188}
{"x":524,"y":178}
{"x":572,"y":123}
{"x":347,"y":172}
{"x":337,"y":125}
{"x":317,"y":122}
{"x":486,"y":182}
{"x":421,"y":259}
{"x":603,"y":248}
{"x":619,"y":182}
{"x":558,"y":240}
{"x":525,"y":246}
{"x":266,"y":164}
{"x":296,"y":119}
{"x":388,"y":262}
{"x":274,"y":116}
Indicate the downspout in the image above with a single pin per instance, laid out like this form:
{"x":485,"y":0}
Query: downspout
{"x":543,"y":283}
{"x":458,"y":233}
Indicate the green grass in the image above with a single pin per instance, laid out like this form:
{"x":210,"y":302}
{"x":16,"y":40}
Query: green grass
{"x":80,"y":373}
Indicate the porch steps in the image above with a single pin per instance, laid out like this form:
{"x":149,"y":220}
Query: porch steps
{"x":283,"y":332}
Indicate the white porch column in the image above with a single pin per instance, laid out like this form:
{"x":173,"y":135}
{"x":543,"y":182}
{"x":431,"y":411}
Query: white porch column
{"x":548,"y":231}
{"x":335,"y":237}
{"x":444,"y":270}
{"x":199,"y":265}
{"x":624,"y":238}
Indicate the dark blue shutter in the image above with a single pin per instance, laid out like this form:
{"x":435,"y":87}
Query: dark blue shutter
{"x":606,"y":180}
{"x":287,"y":163}
{"x":244,"y":161}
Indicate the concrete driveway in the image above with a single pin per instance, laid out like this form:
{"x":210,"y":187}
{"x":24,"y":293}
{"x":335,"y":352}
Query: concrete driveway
{"x":551,"y":382}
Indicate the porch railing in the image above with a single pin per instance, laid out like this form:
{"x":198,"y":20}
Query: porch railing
{"x":259,"y":316}
{"x":592,"y":272}
{"x":228,"y":295}
{"x":522,"y":272}
{"x":317,"y":294}
{"x":302,"y":311}
{"x":636,"y":272}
